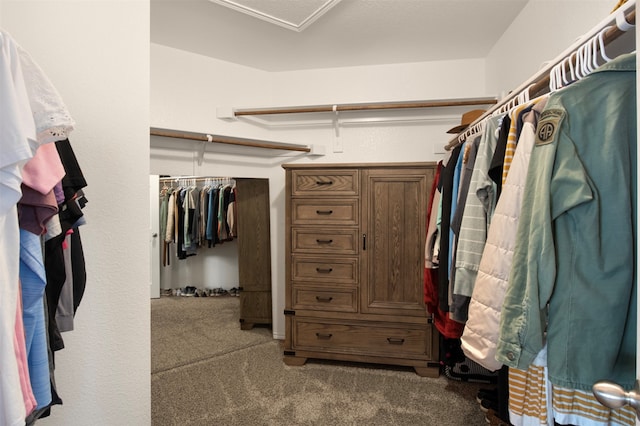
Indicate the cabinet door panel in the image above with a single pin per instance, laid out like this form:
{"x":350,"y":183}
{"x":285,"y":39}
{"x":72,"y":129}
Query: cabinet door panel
{"x":396,"y":229}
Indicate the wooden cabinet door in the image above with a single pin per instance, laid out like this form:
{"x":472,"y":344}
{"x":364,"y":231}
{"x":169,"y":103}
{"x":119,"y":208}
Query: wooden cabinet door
{"x":254,"y":251}
{"x":394,"y":230}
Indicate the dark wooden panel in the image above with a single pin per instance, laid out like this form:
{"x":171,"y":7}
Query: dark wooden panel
{"x":254,"y":245}
{"x":396,"y":220}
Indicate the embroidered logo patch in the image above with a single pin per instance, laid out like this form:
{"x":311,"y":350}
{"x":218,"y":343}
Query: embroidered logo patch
{"x":548,"y":125}
{"x":545,"y":132}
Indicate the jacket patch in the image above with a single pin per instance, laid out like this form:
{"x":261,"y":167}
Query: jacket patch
{"x":548,"y":125}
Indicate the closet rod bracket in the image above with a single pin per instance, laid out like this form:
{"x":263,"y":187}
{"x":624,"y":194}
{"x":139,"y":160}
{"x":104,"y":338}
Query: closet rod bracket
{"x":336,"y":120}
{"x":202,"y":149}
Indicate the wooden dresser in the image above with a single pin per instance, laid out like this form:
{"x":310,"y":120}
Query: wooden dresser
{"x":355,"y":238}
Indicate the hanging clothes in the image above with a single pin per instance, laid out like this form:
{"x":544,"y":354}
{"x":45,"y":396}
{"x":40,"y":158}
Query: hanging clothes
{"x":195,"y":217}
{"x":481,"y":332}
{"x":448,"y":328}
{"x":572,"y":285}
{"x":31,"y":169}
{"x":475,"y":222}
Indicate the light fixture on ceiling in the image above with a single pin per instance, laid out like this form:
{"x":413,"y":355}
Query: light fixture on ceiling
{"x":295,"y":15}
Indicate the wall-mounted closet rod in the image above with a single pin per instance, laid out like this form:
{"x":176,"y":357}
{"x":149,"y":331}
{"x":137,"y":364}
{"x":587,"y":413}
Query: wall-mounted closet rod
{"x":365,"y":106}
{"x":196,"y":179}
{"x":538,"y":84}
{"x":203,"y":137}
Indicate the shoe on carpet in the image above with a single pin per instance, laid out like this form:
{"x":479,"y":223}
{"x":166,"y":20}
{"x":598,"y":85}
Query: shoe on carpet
{"x":492,"y":419}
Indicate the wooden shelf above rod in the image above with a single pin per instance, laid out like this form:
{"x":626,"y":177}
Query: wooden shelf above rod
{"x":229,"y":140}
{"x":366,"y":106}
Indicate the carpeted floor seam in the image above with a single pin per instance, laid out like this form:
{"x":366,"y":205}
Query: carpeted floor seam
{"x":209,"y":358}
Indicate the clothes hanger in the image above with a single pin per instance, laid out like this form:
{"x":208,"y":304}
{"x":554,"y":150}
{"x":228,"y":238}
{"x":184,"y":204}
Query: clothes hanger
{"x":603,"y":53}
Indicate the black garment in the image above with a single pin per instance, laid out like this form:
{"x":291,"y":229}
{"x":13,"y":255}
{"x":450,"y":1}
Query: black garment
{"x":225,"y":223}
{"x":446,"y":189}
{"x":215,"y":193}
{"x":73,"y":180}
{"x":497,"y":161}
{"x":180,"y":225}
{"x":78,"y":268}
{"x":56,"y":276}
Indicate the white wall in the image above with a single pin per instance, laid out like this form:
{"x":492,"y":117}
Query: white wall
{"x":187,"y":88}
{"x":541,"y":32}
{"x":96,"y":54}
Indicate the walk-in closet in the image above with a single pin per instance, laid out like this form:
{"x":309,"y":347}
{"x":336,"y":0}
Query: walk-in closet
{"x":213,"y":240}
{"x":426,"y":212}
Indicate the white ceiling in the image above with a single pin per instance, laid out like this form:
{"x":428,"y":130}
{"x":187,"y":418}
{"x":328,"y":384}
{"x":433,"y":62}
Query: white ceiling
{"x":350,"y":33}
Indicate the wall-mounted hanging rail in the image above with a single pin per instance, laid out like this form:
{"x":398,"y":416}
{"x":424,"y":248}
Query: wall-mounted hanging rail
{"x":365,"y":106}
{"x":612,"y":27}
{"x":229,"y":140}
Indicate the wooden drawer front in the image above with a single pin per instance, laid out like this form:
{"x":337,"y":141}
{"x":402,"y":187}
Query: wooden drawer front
{"x":334,"y":270}
{"x":335,"y":300}
{"x":333,"y":241}
{"x":317,"y":212}
{"x":325,"y":182}
{"x":393,"y":341}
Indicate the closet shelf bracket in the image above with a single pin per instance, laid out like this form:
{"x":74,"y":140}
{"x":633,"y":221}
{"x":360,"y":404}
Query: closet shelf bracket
{"x":336,"y":120}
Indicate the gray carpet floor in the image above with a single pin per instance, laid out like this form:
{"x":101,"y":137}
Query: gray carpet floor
{"x":206,"y":371}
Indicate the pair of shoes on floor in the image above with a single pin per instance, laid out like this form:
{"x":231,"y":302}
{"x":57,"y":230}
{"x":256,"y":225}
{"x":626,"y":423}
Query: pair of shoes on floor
{"x":189,"y":291}
{"x":488,"y":399}
{"x":234,"y":292}
{"x":487,"y":404}
{"x":487,"y":393}
{"x":492,"y":419}
{"x":218,"y":292}
{"x":200,"y":293}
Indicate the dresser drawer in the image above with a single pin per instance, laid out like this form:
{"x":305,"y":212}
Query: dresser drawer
{"x":325,"y":299}
{"x":338,"y":270}
{"x":319,"y":212}
{"x":391,"y":341}
{"x":325,"y":240}
{"x":325,"y":182}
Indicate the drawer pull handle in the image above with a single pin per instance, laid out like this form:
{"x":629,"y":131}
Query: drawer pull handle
{"x":324,"y":182}
{"x":324,"y":299}
{"x":324,"y":211}
{"x":395,"y":340}
{"x":324,"y":335}
{"x":324,"y":270}
{"x":324,"y":241}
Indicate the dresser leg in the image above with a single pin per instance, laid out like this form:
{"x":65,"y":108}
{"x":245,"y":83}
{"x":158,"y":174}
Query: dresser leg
{"x":294,"y":361}
{"x":427,"y":371}
{"x":246,"y":325}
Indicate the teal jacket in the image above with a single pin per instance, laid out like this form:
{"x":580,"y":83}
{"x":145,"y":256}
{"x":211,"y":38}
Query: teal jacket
{"x":573,"y":276}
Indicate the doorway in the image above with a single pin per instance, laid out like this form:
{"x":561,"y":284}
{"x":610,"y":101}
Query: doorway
{"x":239,"y":264}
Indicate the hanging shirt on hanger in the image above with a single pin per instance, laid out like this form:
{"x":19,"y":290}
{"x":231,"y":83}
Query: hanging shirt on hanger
{"x":475,"y":222}
{"x":573,"y":267}
{"x":481,"y":332}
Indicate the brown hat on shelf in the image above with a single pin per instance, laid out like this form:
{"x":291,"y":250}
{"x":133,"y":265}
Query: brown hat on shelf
{"x":467,"y":118}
